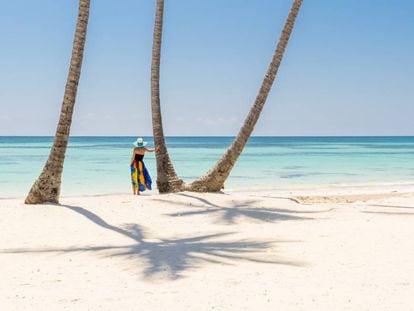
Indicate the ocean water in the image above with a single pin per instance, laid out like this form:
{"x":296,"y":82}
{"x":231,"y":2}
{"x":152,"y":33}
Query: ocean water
{"x":100,"y":165}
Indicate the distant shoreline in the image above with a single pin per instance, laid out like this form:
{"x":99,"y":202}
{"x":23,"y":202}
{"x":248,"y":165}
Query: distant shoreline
{"x":334,"y":193}
{"x":227,"y":136}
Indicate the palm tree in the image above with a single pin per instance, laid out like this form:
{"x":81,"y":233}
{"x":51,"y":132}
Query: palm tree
{"x":167,"y":179}
{"x":214,"y":179}
{"x":47,"y":187}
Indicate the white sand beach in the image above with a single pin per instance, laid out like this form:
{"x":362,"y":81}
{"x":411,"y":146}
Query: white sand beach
{"x":345,"y":249}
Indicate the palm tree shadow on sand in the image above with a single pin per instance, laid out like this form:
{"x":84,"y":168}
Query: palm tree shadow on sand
{"x":239,"y":209}
{"x":392,"y":210}
{"x":170,"y":258}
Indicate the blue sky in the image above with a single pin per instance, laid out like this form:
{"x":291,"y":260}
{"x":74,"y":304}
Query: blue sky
{"x":348,"y":68}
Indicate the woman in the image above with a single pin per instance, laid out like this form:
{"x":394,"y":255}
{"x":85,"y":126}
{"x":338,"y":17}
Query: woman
{"x":140,"y":177}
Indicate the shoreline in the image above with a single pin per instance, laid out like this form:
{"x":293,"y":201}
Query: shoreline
{"x":303,"y":190}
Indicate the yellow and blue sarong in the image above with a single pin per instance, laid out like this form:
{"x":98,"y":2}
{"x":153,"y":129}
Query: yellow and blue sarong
{"x":140,"y":178}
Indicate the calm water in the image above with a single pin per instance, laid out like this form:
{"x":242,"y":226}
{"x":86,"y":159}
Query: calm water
{"x":97,"y":165}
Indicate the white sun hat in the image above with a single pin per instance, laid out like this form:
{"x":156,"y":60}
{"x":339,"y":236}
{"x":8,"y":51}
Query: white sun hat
{"x":140,"y":143}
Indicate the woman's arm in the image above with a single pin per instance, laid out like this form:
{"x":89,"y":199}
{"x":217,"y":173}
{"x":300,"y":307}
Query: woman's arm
{"x":152,"y":150}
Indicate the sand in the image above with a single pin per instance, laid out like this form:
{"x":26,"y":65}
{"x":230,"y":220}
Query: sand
{"x":344,"y":249}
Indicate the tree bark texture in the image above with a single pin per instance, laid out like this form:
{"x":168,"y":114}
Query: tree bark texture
{"x":47,"y":187}
{"x":167,"y":179}
{"x":214,"y":179}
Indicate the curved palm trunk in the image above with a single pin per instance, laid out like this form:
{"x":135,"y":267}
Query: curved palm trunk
{"x":47,"y":187}
{"x":167,"y":180}
{"x":214,"y":179}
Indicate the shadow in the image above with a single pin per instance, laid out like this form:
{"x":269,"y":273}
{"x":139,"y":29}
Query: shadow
{"x":251,"y":202}
{"x":388,"y":213}
{"x":391,"y":212}
{"x":170,"y":258}
{"x":392,"y":206}
{"x":230,"y":214}
{"x":198,"y":198}
{"x":280,"y":198}
{"x":237,"y":210}
{"x":133,"y":234}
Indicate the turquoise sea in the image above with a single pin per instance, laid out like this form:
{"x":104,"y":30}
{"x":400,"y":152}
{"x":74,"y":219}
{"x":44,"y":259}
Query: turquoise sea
{"x":100,"y":165}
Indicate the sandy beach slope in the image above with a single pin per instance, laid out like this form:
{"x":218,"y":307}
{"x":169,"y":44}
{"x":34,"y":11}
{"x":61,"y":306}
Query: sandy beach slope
{"x":265,"y":250}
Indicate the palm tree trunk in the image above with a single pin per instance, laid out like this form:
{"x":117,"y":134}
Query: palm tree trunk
{"x":47,"y":187}
{"x":214,"y":179}
{"x":167,"y":180}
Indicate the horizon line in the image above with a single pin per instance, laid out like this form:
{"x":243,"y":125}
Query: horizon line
{"x":227,"y":136}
